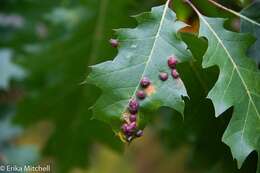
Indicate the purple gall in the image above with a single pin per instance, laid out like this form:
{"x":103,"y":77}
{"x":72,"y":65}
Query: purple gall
{"x":132,"y":118}
{"x":124,"y":128}
{"x":127,"y":129}
{"x":175,"y":74}
{"x":141,"y":94}
{"x":163,"y":76}
{"x":114,"y":42}
{"x":172,"y":61}
{"x":145,"y":82}
{"x":132,"y":126}
{"x":133,"y":106}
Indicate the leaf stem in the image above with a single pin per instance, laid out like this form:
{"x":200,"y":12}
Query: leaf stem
{"x":170,"y":4}
{"x":192,"y":6}
{"x":234,"y":12}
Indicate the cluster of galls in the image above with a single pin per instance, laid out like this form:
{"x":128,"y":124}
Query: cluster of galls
{"x":172,"y":62}
{"x":129,"y":128}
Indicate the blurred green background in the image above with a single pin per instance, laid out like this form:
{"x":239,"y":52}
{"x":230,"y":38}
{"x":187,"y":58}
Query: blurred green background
{"x":45,"y":50}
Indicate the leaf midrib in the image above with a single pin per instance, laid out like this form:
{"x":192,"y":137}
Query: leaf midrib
{"x":153,"y":47}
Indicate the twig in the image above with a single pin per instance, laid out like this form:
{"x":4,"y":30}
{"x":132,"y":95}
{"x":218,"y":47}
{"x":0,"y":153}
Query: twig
{"x":234,"y":12}
{"x":192,"y":6}
{"x":170,"y":4}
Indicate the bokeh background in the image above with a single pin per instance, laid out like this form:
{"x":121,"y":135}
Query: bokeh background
{"x":45,"y":50}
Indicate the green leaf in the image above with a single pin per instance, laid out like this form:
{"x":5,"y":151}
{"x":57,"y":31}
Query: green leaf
{"x":238,"y":85}
{"x":8,"y":70}
{"x":143,"y":52}
{"x":253,"y":27}
{"x":250,"y":18}
{"x":207,"y":148}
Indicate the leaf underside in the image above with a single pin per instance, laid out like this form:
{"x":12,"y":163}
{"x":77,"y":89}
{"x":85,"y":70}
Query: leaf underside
{"x":238,"y":85}
{"x":143,"y":52}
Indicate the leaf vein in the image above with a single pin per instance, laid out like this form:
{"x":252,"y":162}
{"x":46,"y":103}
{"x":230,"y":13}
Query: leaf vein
{"x":234,"y":64}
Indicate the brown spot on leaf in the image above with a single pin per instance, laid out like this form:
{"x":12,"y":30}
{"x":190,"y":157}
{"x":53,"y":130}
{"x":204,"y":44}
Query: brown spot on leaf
{"x":125,"y":117}
{"x":150,"y":90}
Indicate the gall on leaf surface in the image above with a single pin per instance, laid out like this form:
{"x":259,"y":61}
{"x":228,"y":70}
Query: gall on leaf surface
{"x":238,"y":85}
{"x":142,"y":52}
